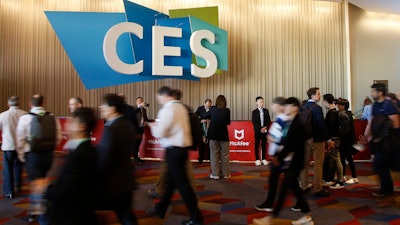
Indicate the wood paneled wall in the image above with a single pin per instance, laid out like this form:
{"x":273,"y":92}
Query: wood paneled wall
{"x":276,"y":47}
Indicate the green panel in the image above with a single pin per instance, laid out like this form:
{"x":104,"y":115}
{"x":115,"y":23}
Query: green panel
{"x":207,"y":14}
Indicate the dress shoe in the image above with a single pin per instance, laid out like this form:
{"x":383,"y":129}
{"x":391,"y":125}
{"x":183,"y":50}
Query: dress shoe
{"x":154,"y":212}
{"x":322,"y":193}
{"x":138,"y":161}
{"x":190,"y":222}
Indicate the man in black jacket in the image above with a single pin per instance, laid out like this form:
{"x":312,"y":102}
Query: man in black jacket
{"x":204,"y":148}
{"x":71,"y":196}
{"x":316,"y":144}
{"x":333,"y":162}
{"x":142,"y":119}
{"x":293,"y":141}
{"x":260,"y":118}
{"x":116,"y":181}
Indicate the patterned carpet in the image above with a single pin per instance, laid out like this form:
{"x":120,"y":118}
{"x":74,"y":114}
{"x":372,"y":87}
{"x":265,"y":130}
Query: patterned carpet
{"x":231,"y":201}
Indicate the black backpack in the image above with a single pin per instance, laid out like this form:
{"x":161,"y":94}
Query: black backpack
{"x":305,"y":117}
{"x":42,"y":136}
{"x":196,"y":131}
{"x":344,"y":124}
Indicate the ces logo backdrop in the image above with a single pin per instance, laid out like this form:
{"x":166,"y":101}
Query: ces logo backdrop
{"x":142,"y":44}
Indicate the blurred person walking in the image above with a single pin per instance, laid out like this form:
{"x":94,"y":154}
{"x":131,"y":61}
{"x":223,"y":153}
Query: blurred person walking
{"x":173,"y":128}
{"x":115,"y":171}
{"x":38,"y":134}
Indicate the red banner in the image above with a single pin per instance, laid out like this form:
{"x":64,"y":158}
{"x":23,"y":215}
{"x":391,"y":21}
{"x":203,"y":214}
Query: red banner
{"x":96,"y":134}
{"x":359,"y":126}
{"x":241,"y":135}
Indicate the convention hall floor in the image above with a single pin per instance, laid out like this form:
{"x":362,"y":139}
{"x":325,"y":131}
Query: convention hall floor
{"x":230,"y":201}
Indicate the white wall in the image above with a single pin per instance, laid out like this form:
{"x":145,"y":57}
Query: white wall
{"x":374,"y":52}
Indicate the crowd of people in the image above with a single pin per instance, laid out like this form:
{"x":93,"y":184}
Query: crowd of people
{"x":299,"y":130}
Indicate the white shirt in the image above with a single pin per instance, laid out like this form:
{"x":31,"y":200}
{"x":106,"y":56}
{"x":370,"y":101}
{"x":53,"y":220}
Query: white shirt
{"x":261,"y":116}
{"x":8,"y":126}
{"x":173,"y":126}
{"x":24,"y":129}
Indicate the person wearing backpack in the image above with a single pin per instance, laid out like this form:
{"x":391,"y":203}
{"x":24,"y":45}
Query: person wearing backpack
{"x":160,"y":185}
{"x":385,"y":121}
{"x":315,"y":144}
{"x":333,"y":163}
{"x":348,"y":139}
{"x":172,"y":127}
{"x":38,"y":134}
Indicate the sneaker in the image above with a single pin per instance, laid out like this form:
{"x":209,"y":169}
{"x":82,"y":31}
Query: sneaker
{"x":258,"y":163}
{"x":226,"y":177}
{"x":190,"y":222}
{"x":352,"y":181}
{"x":303,"y":220}
{"x":153,"y":193}
{"x":262,"y":221}
{"x":264,"y":162}
{"x":263,"y":208}
{"x":328,"y":183}
{"x":32,"y":218}
{"x":296,"y":208}
{"x":337,"y":185}
{"x":379,"y":194}
{"x":214,"y":177}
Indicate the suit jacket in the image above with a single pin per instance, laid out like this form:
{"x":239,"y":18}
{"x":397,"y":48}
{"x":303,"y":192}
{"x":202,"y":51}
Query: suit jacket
{"x":255,"y":118}
{"x":114,"y":151}
{"x":320,"y":133}
{"x":220,"y":118}
{"x":141,"y":112}
{"x":130,"y":116}
{"x":201,"y":112}
{"x":294,"y":142}
{"x":72,"y":195}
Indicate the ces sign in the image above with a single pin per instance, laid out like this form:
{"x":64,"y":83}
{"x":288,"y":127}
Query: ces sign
{"x":106,"y":49}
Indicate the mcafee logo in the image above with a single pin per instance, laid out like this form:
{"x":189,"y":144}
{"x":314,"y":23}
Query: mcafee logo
{"x":239,"y":134}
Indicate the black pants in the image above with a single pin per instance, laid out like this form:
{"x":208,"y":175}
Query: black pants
{"x":273,"y":185}
{"x":381,"y":165}
{"x":345,"y":154}
{"x":257,"y":139}
{"x":291,"y":181}
{"x":135,"y":152}
{"x":177,"y":177}
{"x":121,"y":204}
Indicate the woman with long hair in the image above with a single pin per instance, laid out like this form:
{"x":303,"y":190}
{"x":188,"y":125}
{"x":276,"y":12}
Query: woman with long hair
{"x":220,"y":118}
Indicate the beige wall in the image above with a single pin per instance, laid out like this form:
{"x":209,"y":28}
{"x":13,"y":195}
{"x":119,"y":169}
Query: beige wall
{"x":375,"y":51}
{"x":276,"y":47}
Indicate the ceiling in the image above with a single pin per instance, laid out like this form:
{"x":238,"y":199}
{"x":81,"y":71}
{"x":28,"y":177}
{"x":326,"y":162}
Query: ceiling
{"x":382,"y":6}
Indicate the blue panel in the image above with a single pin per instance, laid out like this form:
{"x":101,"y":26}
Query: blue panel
{"x":185,"y":59}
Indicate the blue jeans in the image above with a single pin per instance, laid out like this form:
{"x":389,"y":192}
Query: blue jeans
{"x":12,"y":172}
{"x":37,"y":166}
